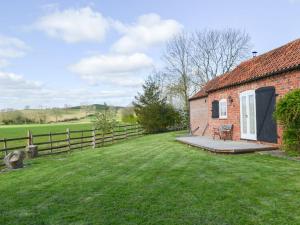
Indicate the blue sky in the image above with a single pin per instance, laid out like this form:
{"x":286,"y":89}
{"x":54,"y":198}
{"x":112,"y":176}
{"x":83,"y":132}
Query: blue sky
{"x":70,"y":52}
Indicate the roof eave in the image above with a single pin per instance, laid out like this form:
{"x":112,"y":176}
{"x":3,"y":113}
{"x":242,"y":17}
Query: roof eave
{"x":284,"y":70}
{"x":198,"y":97}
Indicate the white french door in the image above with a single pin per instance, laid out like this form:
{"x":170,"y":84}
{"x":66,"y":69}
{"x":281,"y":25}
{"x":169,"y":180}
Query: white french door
{"x":248,"y":115}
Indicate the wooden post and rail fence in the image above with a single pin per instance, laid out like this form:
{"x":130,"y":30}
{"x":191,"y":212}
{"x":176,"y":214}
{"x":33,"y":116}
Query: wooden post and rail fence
{"x":59,"y":142}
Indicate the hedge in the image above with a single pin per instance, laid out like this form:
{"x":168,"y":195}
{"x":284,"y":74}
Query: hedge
{"x":288,"y":114}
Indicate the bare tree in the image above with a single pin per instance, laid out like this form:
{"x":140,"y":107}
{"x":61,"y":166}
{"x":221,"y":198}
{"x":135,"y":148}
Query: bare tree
{"x":215,"y":52}
{"x":178,"y":62}
{"x":84,"y":107}
{"x":67,"y":107}
{"x":57,"y":113}
{"x":160,"y":79}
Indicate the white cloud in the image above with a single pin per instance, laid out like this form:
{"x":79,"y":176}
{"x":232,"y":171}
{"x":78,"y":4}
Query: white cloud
{"x":120,"y":72}
{"x":14,"y":88}
{"x":294,"y":1}
{"x":16,"y":92}
{"x":12,"y":82}
{"x":74,"y":25}
{"x":3,"y":63}
{"x":118,"y":69}
{"x":149,"y":30}
{"x":11,"y":47}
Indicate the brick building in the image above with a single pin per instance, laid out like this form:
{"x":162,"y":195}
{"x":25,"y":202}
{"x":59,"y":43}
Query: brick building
{"x":246,"y":96}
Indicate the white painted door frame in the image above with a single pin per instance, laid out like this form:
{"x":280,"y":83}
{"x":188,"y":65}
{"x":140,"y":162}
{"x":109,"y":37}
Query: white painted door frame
{"x":248,"y":115}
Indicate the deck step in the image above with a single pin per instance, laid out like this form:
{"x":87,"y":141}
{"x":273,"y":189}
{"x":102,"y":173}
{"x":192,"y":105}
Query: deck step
{"x":225,"y":147}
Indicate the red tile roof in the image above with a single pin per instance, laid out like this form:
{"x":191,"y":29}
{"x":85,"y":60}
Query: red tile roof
{"x":273,"y":62}
{"x":203,"y":92}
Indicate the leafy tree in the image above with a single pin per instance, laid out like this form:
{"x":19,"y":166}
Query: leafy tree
{"x":152,"y":110}
{"x":288,"y":113}
{"x":105,"y":119}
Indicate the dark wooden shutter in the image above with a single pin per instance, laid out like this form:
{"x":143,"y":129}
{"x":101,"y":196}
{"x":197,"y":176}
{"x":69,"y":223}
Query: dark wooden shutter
{"x":215,"y":109}
{"x":265,"y":106}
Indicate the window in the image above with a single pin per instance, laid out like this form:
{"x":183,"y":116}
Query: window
{"x":223,"y":109}
{"x":215,"y":109}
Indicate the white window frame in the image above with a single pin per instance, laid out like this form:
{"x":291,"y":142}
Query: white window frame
{"x":222,"y":101}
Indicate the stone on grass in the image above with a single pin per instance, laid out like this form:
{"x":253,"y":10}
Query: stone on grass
{"x":14,"y":160}
{"x":31,"y":151}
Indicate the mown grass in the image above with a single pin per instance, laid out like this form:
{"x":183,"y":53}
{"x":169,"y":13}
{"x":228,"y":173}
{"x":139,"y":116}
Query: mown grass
{"x":151,"y":180}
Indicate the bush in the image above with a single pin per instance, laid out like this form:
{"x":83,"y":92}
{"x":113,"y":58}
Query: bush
{"x":157,"y":118}
{"x":69,"y":119}
{"x":15,"y":117}
{"x":105,"y":119}
{"x":288,"y":114}
{"x":152,"y":110}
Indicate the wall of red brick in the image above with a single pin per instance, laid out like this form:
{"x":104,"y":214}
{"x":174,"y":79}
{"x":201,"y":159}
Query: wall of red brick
{"x":283,"y":83}
{"x":199,"y":116}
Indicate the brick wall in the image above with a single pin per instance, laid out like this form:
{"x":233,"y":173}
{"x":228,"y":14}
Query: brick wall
{"x":199,"y":115}
{"x":283,"y":83}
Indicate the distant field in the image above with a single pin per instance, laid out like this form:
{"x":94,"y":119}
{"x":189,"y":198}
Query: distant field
{"x":12,"y":131}
{"x":21,"y":131}
{"x":62,"y":115}
{"x":82,"y":121}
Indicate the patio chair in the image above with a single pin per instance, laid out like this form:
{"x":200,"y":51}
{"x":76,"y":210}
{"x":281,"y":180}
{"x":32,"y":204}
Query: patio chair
{"x":224,"y":132}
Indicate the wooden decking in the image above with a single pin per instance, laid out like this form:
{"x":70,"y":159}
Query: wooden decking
{"x":220,"y":146}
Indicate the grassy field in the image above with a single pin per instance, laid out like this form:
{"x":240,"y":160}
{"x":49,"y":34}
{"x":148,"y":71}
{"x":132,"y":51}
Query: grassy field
{"x":151,"y":180}
{"x":76,"y":114}
{"x":14,"y":131}
{"x":11,"y":131}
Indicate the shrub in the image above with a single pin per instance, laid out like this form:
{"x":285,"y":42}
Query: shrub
{"x":288,"y":114}
{"x":152,"y":110}
{"x":105,"y":120}
{"x":15,"y":117}
{"x":68,"y":119}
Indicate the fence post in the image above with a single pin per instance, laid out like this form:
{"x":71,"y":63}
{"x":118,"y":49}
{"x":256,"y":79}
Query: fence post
{"x":5,"y":146}
{"x":103,"y":135}
{"x":50,"y":140}
{"x":69,"y":139}
{"x":113,"y":136}
{"x":30,"y":138}
{"x":125,"y":127}
{"x":94,"y":138}
{"x":81,"y":140}
{"x":142,"y":130}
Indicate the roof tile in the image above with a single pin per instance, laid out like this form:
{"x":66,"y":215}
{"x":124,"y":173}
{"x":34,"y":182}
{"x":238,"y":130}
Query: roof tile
{"x":279,"y":59}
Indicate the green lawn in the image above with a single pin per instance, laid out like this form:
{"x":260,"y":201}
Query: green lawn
{"x":151,"y":180}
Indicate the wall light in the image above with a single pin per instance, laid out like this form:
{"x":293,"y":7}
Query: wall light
{"x":230,"y":100}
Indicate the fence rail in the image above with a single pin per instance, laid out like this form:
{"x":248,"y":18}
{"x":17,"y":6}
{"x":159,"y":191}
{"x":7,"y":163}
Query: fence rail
{"x":59,"y":142}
